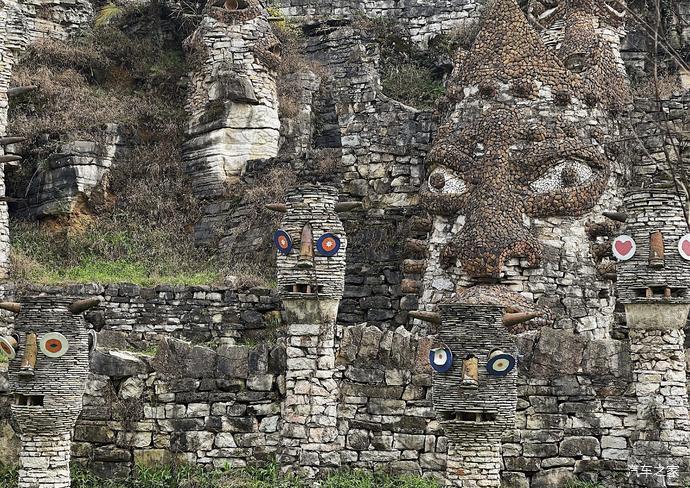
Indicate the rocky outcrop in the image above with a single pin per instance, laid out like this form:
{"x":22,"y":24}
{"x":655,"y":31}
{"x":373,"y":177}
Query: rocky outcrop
{"x":232,"y":102}
{"x":73,"y":173}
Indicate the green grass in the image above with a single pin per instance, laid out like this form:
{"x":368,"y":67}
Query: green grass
{"x":365,"y":479}
{"x":107,"y":252}
{"x":189,"y":476}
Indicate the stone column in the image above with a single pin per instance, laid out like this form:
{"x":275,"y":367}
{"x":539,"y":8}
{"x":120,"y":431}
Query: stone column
{"x":474,"y":407}
{"x":653,"y":285}
{"x":657,"y":347}
{"x":47,"y":375}
{"x":310,"y":431}
{"x":311,"y":286}
{"x":44,"y":460}
{"x":476,"y":462}
{"x":232,"y":102}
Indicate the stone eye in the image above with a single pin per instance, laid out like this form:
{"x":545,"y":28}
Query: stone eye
{"x":54,"y":345}
{"x":282,"y":242}
{"x":564,"y":175}
{"x":443,"y":181}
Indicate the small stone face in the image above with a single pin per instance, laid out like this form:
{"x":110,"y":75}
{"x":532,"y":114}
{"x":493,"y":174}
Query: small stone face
{"x":656,"y":272}
{"x":50,"y":400}
{"x":306,"y":272}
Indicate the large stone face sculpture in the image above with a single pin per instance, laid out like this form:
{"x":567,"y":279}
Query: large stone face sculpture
{"x":523,"y":141}
{"x":232,"y":102}
{"x":504,"y":152}
{"x":49,"y":367}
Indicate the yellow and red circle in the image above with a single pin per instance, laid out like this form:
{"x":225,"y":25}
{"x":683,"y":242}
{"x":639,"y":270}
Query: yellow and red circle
{"x":328,"y":244}
{"x":53,"y":345}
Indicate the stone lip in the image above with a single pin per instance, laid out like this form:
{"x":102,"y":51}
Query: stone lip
{"x":657,"y":315}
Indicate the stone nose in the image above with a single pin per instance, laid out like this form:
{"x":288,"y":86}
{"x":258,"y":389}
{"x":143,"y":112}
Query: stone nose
{"x":306,"y":248}
{"x":26,"y":370}
{"x":491,"y":236}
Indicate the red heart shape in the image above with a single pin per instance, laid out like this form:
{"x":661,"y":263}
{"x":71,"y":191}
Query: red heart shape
{"x":686,"y":247}
{"x":623,"y":247}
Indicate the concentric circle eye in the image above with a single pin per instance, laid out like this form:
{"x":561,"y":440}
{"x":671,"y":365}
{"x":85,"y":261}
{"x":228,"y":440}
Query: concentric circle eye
{"x":328,"y":244}
{"x":441,"y":359}
{"x":54,"y":345}
{"x":684,"y":247}
{"x":282,"y":241}
{"x":500,"y":363}
{"x":9,"y":346}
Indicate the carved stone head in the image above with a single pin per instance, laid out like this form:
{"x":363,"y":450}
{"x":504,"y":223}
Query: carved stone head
{"x":311,"y":246}
{"x":473,"y":398}
{"x":526,"y":139}
{"x":48,"y":374}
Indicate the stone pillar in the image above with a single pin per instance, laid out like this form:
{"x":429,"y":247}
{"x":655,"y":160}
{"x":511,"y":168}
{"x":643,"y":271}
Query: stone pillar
{"x":657,"y":347}
{"x":232,"y":102}
{"x":475,"y":462}
{"x":474,"y":411}
{"x":48,"y":371}
{"x":44,"y":460}
{"x":311,"y":286}
{"x":653,"y":285}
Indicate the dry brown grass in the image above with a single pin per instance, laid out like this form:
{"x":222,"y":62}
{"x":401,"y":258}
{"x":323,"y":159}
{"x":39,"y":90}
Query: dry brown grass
{"x":293,"y":64}
{"x":668,"y":85}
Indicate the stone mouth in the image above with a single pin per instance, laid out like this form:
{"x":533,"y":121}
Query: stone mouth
{"x":28,"y":400}
{"x":303,"y":289}
{"x":474,"y":417}
{"x":514,"y":302}
{"x":661,"y":292}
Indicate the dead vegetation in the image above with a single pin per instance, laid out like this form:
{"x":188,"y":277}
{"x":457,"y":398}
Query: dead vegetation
{"x":138,"y":226}
{"x":294,"y":66}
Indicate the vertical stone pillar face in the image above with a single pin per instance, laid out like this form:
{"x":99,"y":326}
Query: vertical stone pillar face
{"x":655,"y":295}
{"x":232,"y":101}
{"x":474,"y":415}
{"x":311,"y":279}
{"x":47,"y":375}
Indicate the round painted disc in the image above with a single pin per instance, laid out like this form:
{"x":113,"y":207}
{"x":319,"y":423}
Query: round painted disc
{"x":441,"y":359}
{"x":7,"y":348}
{"x":53,"y":344}
{"x":684,"y":247}
{"x":328,"y":244}
{"x":282,"y":241}
{"x":500,"y":365}
{"x":93,"y":340}
{"x":623,"y":247}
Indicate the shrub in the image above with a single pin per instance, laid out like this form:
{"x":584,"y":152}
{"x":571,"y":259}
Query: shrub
{"x":408,"y":73}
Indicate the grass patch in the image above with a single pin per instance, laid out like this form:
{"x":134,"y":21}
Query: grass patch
{"x":107,"y":252}
{"x":409,"y":74}
{"x":137,"y":226}
{"x":188,"y":476}
{"x":366,"y":479}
